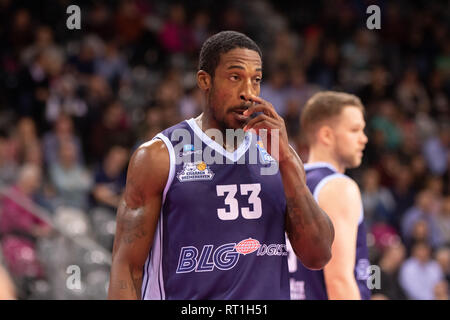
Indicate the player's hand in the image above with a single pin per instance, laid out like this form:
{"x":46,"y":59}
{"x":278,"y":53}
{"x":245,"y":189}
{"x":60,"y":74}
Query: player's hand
{"x":270,"y":120}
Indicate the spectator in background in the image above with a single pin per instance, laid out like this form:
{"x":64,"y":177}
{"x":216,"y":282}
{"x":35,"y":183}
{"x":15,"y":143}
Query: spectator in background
{"x":71,"y":181}
{"x":442,"y":257}
{"x":284,"y":50}
{"x":24,"y":137}
{"x":84,"y":61}
{"x":419,"y":171}
{"x":436,"y":186}
{"x":22,"y":30}
{"x":35,"y":82}
{"x":64,"y":98}
{"x":403,"y":192}
{"x":274,"y":90}
{"x":411,"y":94}
{"x":200,"y":30}
{"x":191,"y":104}
{"x":113,"y":128}
{"x":19,"y":227}
{"x":151,"y":126}
{"x":390,"y":262}
{"x":441,"y":290}
{"x":298,"y":92}
{"x":129,"y":22}
{"x":423,"y":210}
{"x":436,"y":151}
{"x":324,"y":68}
{"x":112,"y":65}
{"x":62,"y":132}
{"x":98,"y":94}
{"x":386,"y":121}
{"x":8,"y":165}
{"x":387,"y":167}
{"x":99,"y":20}
{"x":176,"y":36}
{"x":379,"y":88}
{"x":299,"y":89}
{"x":420,"y":274}
{"x":378,"y":202}
{"x":443,"y":220}
{"x":110,"y":179}
{"x":357,"y":54}
{"x":43,"y":39}
{"x":440,"y":103}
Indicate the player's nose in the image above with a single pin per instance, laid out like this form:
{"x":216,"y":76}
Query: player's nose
{"x":364,"y":138}
{"x":246,"y":92}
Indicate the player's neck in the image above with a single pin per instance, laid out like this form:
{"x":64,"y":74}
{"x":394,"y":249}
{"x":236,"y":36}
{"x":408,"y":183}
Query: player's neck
{"x":322,"y":155}
{"x":204,"y":122}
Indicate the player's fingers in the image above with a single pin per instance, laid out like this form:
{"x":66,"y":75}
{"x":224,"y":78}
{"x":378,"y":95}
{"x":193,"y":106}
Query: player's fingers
{"x":267,"y":110}
{"x":260,"y":100}
{"x":258,"y":120}
{"x":263,"y":125}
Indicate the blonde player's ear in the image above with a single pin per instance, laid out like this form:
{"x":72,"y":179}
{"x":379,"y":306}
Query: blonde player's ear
{"x":325,"y":135}
{"x":203,"y":80}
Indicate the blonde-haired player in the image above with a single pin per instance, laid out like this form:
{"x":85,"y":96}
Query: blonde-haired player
{"x":334,"y":126}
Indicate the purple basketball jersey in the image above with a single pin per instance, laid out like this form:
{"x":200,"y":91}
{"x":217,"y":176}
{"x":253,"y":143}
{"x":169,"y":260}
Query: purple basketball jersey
{"x":221,"y":229}
{"x":309,"y":284}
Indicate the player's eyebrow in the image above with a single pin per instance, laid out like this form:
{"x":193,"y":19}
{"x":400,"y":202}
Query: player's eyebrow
{"x":241,"y":67}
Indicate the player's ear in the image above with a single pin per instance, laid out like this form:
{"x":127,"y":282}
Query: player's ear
{"x":204,"y":80}
{"x":325,"y":135}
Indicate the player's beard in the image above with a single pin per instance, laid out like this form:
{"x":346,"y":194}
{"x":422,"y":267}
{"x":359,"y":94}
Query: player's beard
{"x":349,"y":159}
{"x":224,"y":119}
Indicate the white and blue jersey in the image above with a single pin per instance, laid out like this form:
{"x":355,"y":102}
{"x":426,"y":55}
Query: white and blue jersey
{"x":221,"y":229}
{"x":309,"y":284}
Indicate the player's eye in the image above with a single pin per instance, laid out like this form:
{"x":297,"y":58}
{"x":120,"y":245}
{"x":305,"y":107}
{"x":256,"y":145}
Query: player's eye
{"x":234,"y":77}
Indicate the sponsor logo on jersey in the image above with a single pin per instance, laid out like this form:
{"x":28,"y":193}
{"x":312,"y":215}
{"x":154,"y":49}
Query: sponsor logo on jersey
{"x":265,"y":156}
{"x":195,"y":171}
{"x":188,"y":149}
{"x":274,"y":249}
{"x":247,"y":246}
{"x":224,"y":257}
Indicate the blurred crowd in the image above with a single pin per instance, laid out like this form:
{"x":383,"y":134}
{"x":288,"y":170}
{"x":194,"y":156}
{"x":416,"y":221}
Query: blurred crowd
{"x":74,"y":104}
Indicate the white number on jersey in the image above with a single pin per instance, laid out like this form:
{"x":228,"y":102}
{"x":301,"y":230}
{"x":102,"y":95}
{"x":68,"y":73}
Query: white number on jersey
{"x":230,"y":191}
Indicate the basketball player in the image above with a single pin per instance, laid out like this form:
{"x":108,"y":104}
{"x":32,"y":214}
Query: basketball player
{"x":198,"y":230}
{"x":333,"y":123}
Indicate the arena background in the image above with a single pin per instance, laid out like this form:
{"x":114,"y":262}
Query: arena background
{"x":75,"y":103}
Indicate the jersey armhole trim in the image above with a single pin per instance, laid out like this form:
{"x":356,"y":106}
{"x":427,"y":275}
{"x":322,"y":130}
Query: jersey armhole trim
{"x":172,"y":164}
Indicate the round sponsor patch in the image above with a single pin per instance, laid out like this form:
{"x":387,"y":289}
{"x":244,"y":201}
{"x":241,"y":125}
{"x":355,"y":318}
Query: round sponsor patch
{"x":247,"y":246}
{"x":201,"y":166}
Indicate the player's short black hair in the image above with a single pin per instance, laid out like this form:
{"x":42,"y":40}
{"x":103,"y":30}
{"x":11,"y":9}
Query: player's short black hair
{"x":220,"y":43}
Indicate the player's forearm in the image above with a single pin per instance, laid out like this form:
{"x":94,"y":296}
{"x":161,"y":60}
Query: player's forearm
{"x":310,"y":230}
{"x":125,"y":282}
{"x":342,"y":288}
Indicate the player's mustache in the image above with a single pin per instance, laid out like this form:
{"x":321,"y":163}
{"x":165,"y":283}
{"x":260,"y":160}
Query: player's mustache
{"x":243,"y":106}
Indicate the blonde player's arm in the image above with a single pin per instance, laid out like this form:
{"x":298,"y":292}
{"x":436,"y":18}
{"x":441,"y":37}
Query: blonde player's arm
{"x":340,"y":198}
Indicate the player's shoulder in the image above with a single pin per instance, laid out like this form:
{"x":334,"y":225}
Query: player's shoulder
{"x":341,"y":199}
{"x":150,"y":160}
{"x":341,"y":187}
{"x":151,"y":153}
